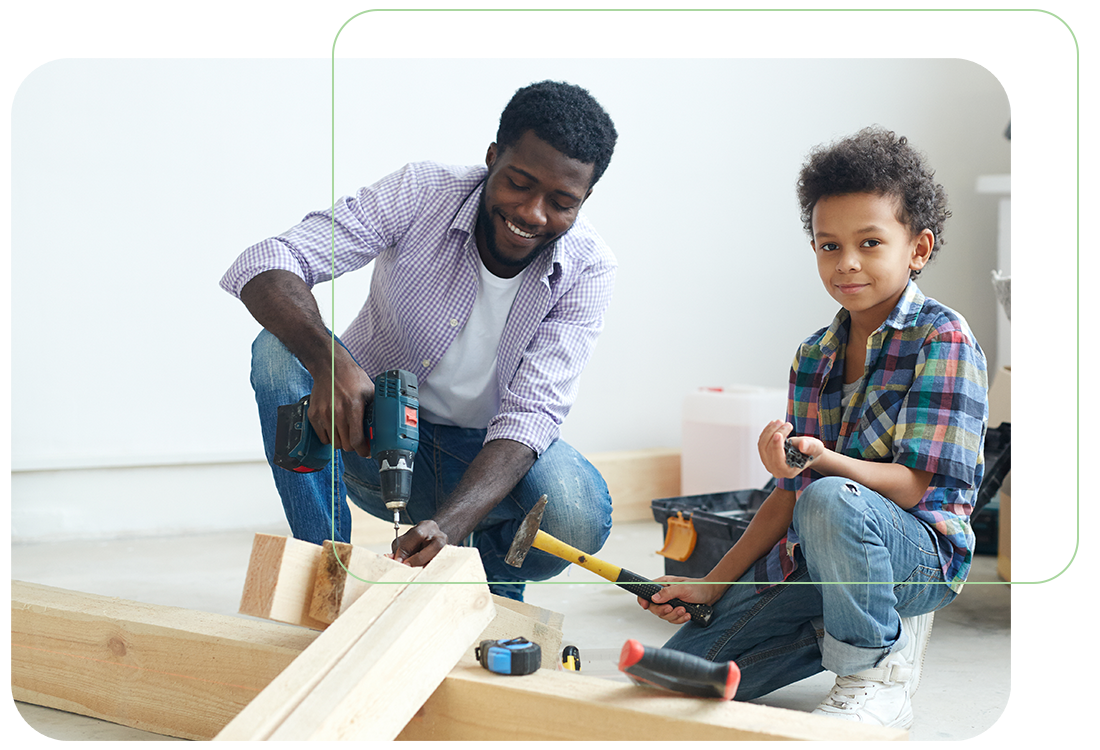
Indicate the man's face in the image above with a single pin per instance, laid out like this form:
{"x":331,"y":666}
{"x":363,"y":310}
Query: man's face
{"x":532,"y":196}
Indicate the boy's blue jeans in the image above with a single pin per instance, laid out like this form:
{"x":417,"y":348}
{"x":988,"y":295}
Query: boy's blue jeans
{"x":887,"y":567}
{"x":578,"y":511}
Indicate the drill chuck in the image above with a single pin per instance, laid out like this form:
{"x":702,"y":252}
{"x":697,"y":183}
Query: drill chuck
{"x":395,"y":469}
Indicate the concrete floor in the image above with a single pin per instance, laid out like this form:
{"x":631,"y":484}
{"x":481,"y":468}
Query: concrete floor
{"x":959,"y":698}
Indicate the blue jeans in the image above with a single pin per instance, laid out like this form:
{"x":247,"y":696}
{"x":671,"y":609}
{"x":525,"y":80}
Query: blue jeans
{"x":883,"y":565}
{"x":579,"y":511}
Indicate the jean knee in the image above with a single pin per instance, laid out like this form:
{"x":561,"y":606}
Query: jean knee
{"x":274,"y":368}
{"x":828,"y":503}
{"x":581,"y":503}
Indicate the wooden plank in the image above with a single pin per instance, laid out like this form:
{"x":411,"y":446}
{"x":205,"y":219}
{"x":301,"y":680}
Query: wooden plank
{"x":396,"y":664}
{"x":344,"y":569}
{"x":162,"y":669}
{"x":263,"y":716}
{"x":280,"y":580}
{"x":334,"y":591}
{"x":476,"y":705}
{"x":637,"y":478}
{"x":185,"y":674}
{"x":344,"y":572}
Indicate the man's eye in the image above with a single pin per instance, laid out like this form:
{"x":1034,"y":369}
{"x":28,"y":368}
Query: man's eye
{"x":562,"y":208}
{"x":516,"y":186}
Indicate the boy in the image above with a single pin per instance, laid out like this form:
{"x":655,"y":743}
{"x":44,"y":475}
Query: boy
{"x":889,"y":403}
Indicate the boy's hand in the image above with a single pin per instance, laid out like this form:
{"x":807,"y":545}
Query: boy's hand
{"x":774,"y":456}
{"x":693,"y":590}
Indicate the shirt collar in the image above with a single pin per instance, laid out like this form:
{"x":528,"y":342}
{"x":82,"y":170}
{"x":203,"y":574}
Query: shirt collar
{"x":904,"y":315}
{"x":908,"y":309}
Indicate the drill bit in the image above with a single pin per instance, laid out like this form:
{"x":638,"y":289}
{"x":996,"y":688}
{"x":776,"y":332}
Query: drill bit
{"x":396,"y":527}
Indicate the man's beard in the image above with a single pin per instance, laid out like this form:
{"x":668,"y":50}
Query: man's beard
{"x":490,"y":232}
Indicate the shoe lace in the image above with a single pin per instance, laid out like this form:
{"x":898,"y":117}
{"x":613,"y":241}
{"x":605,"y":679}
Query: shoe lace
{"x":850,"y":691}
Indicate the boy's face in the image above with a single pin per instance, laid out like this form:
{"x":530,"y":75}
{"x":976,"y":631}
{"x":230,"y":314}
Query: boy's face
{"x":864,"y":254}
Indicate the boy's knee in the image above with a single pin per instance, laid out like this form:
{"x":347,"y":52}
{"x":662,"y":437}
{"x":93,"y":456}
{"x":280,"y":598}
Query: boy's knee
{"x":826,"y":503}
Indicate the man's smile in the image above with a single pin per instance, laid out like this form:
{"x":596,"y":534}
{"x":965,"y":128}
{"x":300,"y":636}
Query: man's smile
{"x":517,"y":231}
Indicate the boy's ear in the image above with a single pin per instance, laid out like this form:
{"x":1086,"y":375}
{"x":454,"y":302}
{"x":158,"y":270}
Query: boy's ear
{"x":922,"y":249}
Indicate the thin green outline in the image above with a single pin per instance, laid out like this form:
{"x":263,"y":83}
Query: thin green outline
{"x":1033,"y":53}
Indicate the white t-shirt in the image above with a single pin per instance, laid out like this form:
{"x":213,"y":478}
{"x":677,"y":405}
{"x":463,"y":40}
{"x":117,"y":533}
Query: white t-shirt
{"x":462,"y":389}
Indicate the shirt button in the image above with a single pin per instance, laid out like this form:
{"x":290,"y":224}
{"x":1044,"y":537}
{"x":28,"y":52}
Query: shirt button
{"x":454,"y":322}
{"x":426,"y":362}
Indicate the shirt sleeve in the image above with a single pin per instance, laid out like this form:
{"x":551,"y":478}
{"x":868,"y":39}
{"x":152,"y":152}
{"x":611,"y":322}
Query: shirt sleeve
{"x":540,"y":394}
{"x":942,"y":420}
{"x":327,"y":244}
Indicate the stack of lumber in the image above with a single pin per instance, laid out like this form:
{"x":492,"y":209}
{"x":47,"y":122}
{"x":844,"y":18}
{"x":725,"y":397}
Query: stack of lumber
{"x":372,"y":650}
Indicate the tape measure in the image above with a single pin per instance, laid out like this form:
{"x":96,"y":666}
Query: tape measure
{"x":514,"y":656}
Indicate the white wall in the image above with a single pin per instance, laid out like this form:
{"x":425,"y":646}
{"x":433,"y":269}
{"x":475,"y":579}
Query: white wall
{"x":136,"y":182}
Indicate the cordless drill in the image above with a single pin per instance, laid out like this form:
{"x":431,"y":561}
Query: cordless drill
{"x":391,"y":422}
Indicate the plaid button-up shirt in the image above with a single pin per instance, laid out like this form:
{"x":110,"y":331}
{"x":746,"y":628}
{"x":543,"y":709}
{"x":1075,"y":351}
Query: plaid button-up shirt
{"x":922,"y":404}
{"x":417,"y":226}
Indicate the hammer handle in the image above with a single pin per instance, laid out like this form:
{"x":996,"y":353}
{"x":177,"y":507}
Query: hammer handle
{"x":645,"y":588}
{"x":632,"y":582}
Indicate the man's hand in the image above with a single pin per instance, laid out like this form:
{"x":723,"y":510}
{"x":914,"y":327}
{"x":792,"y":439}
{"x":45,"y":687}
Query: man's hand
{"x":347,"y":395}
{"x":773,"y":455}
{"x":419,"y":545}
{"x":692,"y":590}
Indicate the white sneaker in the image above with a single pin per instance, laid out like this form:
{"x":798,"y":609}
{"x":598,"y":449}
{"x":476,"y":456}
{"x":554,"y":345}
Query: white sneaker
{"x":881,"y":695}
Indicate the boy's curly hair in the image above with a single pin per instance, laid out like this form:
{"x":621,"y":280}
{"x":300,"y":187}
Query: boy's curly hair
{"x":565,"y":116}
{"x":877,"y":161}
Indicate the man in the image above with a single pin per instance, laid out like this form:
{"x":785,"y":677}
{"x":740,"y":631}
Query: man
{"x":490,"y":287}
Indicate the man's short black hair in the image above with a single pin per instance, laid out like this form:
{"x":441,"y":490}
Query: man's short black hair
{"x":876,"y":161}
{"x":565,"y":116}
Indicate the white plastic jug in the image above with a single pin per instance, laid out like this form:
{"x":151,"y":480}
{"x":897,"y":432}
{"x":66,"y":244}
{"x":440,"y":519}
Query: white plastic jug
{"x":721,"y":427}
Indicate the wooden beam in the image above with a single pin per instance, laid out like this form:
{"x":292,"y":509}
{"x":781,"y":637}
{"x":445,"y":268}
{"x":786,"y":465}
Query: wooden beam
{"x":266,"y":713}
{"x":280,"y":579}
{"x":375,"y":666}
{"x":162,"y":669}
{"x":186,"y":674}
{"x":636,"y":478}
{"x":344,"y":573}
{"x":556,"y":706}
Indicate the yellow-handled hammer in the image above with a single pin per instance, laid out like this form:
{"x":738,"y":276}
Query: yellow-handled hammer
{"x":529,"y":535}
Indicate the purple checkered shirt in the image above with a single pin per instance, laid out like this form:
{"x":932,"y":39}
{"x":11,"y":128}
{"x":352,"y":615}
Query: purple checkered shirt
{"x":417,"y":225}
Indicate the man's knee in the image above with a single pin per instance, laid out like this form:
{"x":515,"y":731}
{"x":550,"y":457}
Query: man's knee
{"x":273,"y":366}
{"x":579,"y":509}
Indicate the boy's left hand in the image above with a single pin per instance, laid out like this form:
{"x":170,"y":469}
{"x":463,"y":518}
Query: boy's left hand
{"x":774,"y":456}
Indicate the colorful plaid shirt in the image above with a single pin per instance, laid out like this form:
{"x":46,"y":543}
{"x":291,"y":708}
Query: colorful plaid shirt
{"x":417,"y":226}
{"x":922,"y":404}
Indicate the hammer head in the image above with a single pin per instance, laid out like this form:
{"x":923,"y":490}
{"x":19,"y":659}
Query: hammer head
{"x":525,"y":537}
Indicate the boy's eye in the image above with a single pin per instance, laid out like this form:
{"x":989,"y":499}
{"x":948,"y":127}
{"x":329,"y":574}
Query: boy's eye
{"x":828,"y":247}
{"x":871,"y":243}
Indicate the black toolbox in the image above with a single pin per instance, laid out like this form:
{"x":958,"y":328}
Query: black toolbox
{"x":720,"y":518}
